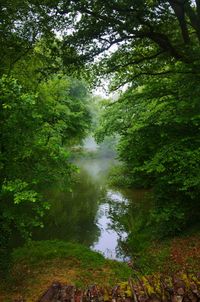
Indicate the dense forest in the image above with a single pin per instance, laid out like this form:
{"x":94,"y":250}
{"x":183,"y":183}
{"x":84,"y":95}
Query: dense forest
{"x":53,"y":55}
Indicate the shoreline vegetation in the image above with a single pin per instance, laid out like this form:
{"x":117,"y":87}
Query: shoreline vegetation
{"x":36,"y":265}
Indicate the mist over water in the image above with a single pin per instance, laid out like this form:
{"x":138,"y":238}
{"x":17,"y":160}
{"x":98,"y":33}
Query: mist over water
{"x":90,"y":144}
{"x":83,"y":215}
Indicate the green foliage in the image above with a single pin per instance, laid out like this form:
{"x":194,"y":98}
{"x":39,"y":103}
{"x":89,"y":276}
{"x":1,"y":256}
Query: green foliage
{"x":157,"y":118}
{"x":121,"y":176}
{"x":68,"y":110}
{"x":159,"y":144}
{"x":37,"y":132}
{"x":42,"y":115}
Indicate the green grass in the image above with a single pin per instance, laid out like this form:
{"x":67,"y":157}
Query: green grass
{"x":37,"y":251}
{"x":37,"y":264}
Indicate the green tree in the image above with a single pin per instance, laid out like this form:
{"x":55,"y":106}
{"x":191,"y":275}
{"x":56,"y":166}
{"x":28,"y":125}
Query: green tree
{"x":37,"y":131}
{"x":152,"y":48}
{"x":159,"y":144}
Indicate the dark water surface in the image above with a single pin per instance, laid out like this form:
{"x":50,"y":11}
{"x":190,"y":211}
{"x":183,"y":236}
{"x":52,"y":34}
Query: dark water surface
{"x":83,"y":214}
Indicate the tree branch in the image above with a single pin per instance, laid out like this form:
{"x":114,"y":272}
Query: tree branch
{"x":155,"y":74}
{"x":163,"y":41}
{"x":159,"y":38}
{"x":194,"y":19}
{"x":198,"y":8}
{"x":116,"y":67}
{"x":103,"y":48}
{"x":179,"y":10}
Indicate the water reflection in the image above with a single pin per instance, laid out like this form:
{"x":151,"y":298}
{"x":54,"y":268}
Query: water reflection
{"x":109,"y":238}
{"x":116,"y":196}
{"x":130,"y":217}
{"x":85,"y":215}
{"x":107,"y":242}
{"x":72,"y":216}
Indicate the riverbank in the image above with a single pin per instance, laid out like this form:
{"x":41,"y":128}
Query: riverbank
{"x":87,"y":215}
{"x":38,"y":264}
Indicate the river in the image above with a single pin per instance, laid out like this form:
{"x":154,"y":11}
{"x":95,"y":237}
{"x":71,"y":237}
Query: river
{"x":83,"y":215}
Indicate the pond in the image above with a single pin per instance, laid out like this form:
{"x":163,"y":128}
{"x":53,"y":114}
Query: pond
{"x":83,"y":215}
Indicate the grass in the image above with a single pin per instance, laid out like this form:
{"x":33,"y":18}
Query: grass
{"x":171,"y":256}
{"x":38,"y":264}
{"x":37,"y":251}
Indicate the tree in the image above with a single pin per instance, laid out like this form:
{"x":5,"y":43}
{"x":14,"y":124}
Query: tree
{"x":167,"y":30}
{"x":42,"y":114}
{"x":37,"y":131}
{"x":170,"y":29}
{"x":157,"y":58}
{"x":159,"y":144}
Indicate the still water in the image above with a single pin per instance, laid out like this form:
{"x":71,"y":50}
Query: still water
{"x":83,"y":215}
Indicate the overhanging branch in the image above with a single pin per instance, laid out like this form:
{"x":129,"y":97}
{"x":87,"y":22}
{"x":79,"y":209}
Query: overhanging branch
{"x":162,"y":73}
{"x":141,"y":60}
